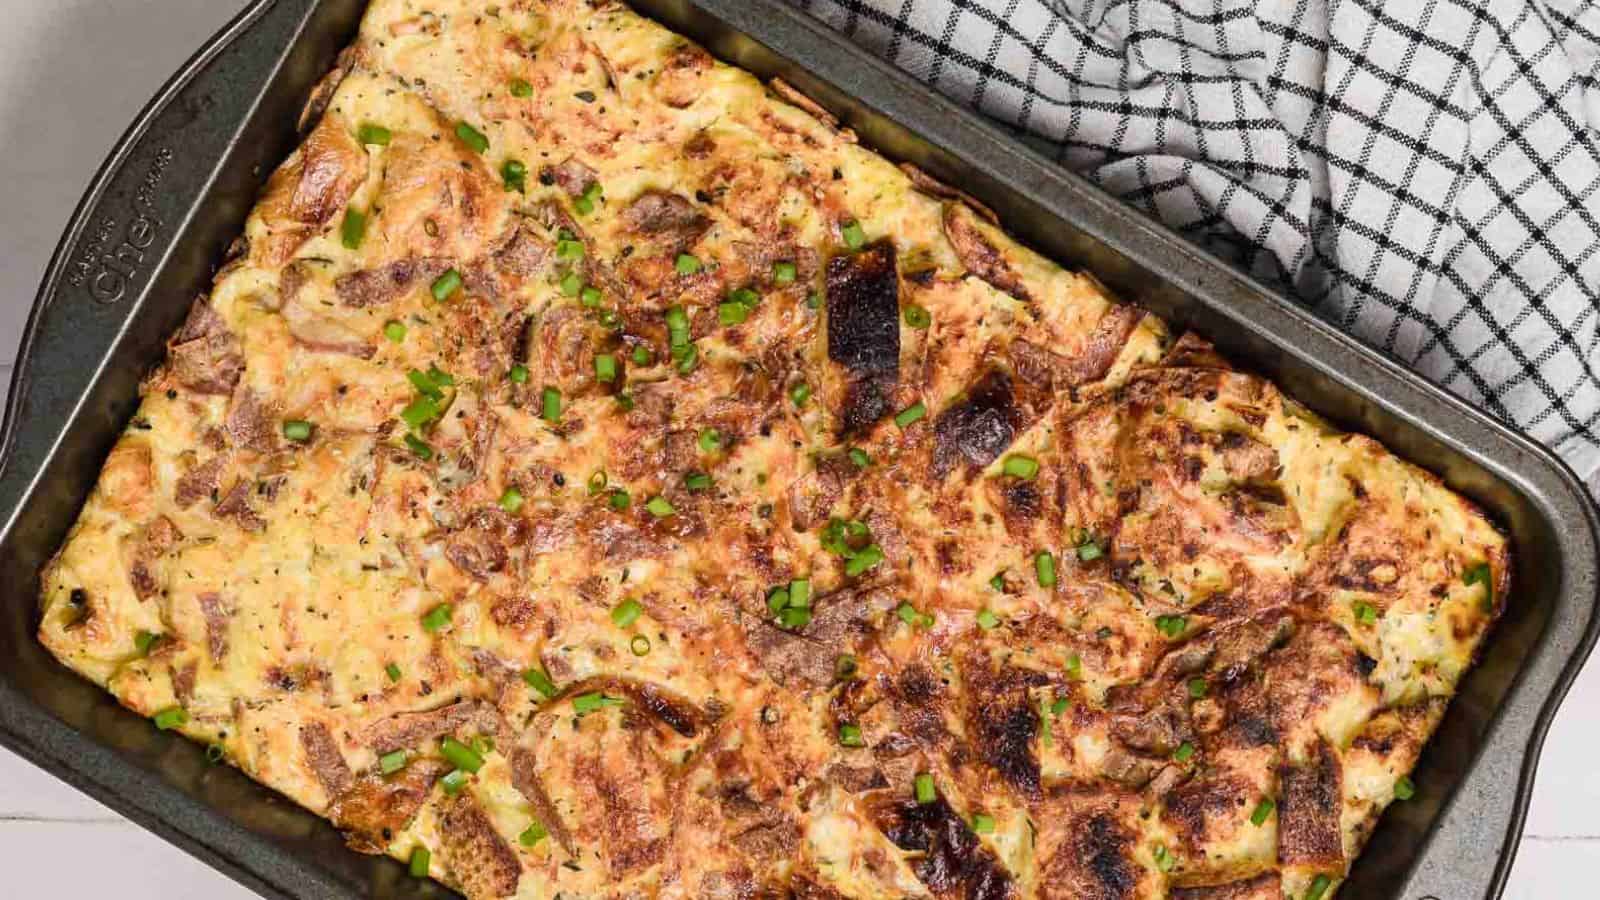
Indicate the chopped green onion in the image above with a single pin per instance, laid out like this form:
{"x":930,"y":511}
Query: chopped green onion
{"x":1075,"y":667}
{"x":987,"y":620}
{"x":1319,"y":887}
{"x":472,"y":137}
{"x":799,"y":394}
{"x":732,"y":313}
{"x":850,"y":736}
{"x":1365,"y":613}
{"x":569,"y":250}
{"x":854,"y":237}
{"x":173,"y":717}
{"x":583,"y":704}
{"x":845,"y":667}
{"x":865,"y":559}
{"x":1164,"y":860}
{"x":515,"y":175}
{"x":460,"y":755}
{"x":440,"y":377}
{"x":354,"y":229}
{"x":571,"y":285}
{"x":1044,"y":566}
{"x":917,"y":317}
{"x":437,"y":618}
{"x":620,"y":500}
{"x":144,"y":640}
{"x":1019,"y":466}
{"x":1480,"y":574}
{"x":1172,"y":626}
{"x":1198,"y":688}
{"x":550,"y":408}
{"x":511,"y":500}
{"x":297,"y":430}
{"x":926,"y":792}
{"x":688,"y":357}
{"x":687,"y":264}
{"x":794,"y":617}
{"x":697,"y":481}
{"x":521,"y":88}
{"x":1404,"y":789}
{"x":424,"y":384}
{"x":640,"y":645}
{"x":910,"y":414}
{"x":419,"y":447}
{"x":998,"y":582}
{"x":369,"y":133}
{"x":642,"y":356}
{"x":605,"y":367}
{"x":420,"y":412}
{"x":394,"y":331}
{"x":533,"y":834}
{"x":421,"y":860}
{"x":1059,"y":706}
{"x":454,"y":782}
{"x":540,"y":681}
{"x":390,"y":763}
{"x":591,"y":296}
{"x":983,"y":823}
{"x":1089,"y":551}
{"x":393,"y":671}
{"x":583,"y":205}
{"x":860,"y":457}
{"x":1263,"y":809}
{"x":745,"y":297}
{"x":1184,"y":752}
{"x":626,"y":613}
{"x":660,"y":507}
{"x":446,"y":285}
{"x":800,"y":592}
{"x":785,"y":273}
{"x":778,"y":600}
{"x":518,"y":374}
{"x":710,"y":440}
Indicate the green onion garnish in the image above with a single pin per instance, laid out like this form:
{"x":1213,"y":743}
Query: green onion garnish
{"x":845,"y":667}
{"x":1319,"y":887}
{"x":860,"y":457}
{"x":550,"y":405}
{"x":354,"y":229}
{"x":850,"y":736}
{"x":460,"y":755}
{"x":799,"y":394}
{"x":687,"y":264}
{"x":1480,"y":574}
{"x":605,"y":367}
{"x":626,"y":613}
{"x":144,"y":640}
{"x":1164,"y":860}
{"x":571,"y":285}
{"x":394,"y":331}
{"x":910,"y":414}
{"x":785,"y":273}
{"x":420,"y":412}
{"x":591,"y":296}
{"x":472,"y":137}
{"x":1365,"y":613}
{"x":393,"y":671}
{"x":369,"y":133}
{"x":437,"y":618}
{"x":297,"y":430}
{"x":710,"y":440}
{"x":1404,"y":789}
{"x":732,"y":313}
{"x":511,"y":500}
{"x":987,"y":620}
{"x":569,"y":250}
{"x":998,"y":582}
{"x":864,"y":559}
{"x":854,"y":237}
{"x":421,"y":859}
{"x":446,"y":285}
{"x":642,"y":356}
{"x":518,"y":374}
{"x":640,"y":645}
{"x":454,"y":782}
{"x":794,"y":617}
{"x":419,"y":447}
{"x":1184,"y":752}
{"x":1198,"y":688}
{"x":540,"y":681}
{"x":1172,"y":626}
{"x":660,"y":507}
{"x":533,"y":834}
{"x":521,"y":88}
{"x":778,"y":600}
{"x":1075,"y":667}
{"x":390,"y":763}
{"x":917,"y":317}
{"x":1019,"y":466}
{"x":926,"y":792}
{"x":1089,"y":550}
{"x":1044,"y":566}
{"x":620,"y":500}
{"x":583,"y":704}
{"x":800,"y":592}
{"x":1263,"y":809}
{"x":688,"y":357}
{"x":173,"y":717}
{"x":697,"y":481}
{"x":983,"y":823}
{"x":515,"y":175}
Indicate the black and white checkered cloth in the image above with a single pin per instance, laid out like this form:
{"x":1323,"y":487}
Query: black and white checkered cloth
{"x":1423,"y":173}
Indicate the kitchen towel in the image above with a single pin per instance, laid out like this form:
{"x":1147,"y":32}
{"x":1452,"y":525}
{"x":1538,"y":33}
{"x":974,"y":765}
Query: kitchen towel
{"x":1425,"y":174}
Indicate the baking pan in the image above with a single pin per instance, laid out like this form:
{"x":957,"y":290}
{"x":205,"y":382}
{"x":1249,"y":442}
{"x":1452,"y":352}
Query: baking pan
{"x":178,"y":186}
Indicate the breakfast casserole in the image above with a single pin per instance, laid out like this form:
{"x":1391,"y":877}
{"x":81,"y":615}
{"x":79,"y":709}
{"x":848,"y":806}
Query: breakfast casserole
{"x":595,"y":474}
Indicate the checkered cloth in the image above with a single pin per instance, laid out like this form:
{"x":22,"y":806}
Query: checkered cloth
{"x":1424,"y":173}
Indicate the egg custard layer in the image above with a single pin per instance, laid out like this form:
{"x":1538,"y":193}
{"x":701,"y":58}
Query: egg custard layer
{"x":597,"y":475}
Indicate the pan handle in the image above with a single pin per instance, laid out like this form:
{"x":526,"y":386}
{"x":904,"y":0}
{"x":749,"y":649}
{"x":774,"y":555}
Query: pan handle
{"x":126,"y":241}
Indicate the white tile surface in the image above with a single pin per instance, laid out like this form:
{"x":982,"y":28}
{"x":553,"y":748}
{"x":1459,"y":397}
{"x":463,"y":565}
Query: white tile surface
{"x":72,"y":74}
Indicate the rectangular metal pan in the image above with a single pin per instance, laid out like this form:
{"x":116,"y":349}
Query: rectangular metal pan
{"x":175,"y":191}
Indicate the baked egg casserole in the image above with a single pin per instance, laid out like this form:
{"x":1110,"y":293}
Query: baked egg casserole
{"x":594,"y":474}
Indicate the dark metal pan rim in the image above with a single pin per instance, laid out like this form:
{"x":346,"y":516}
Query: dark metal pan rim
{"x":1504,"y":454}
